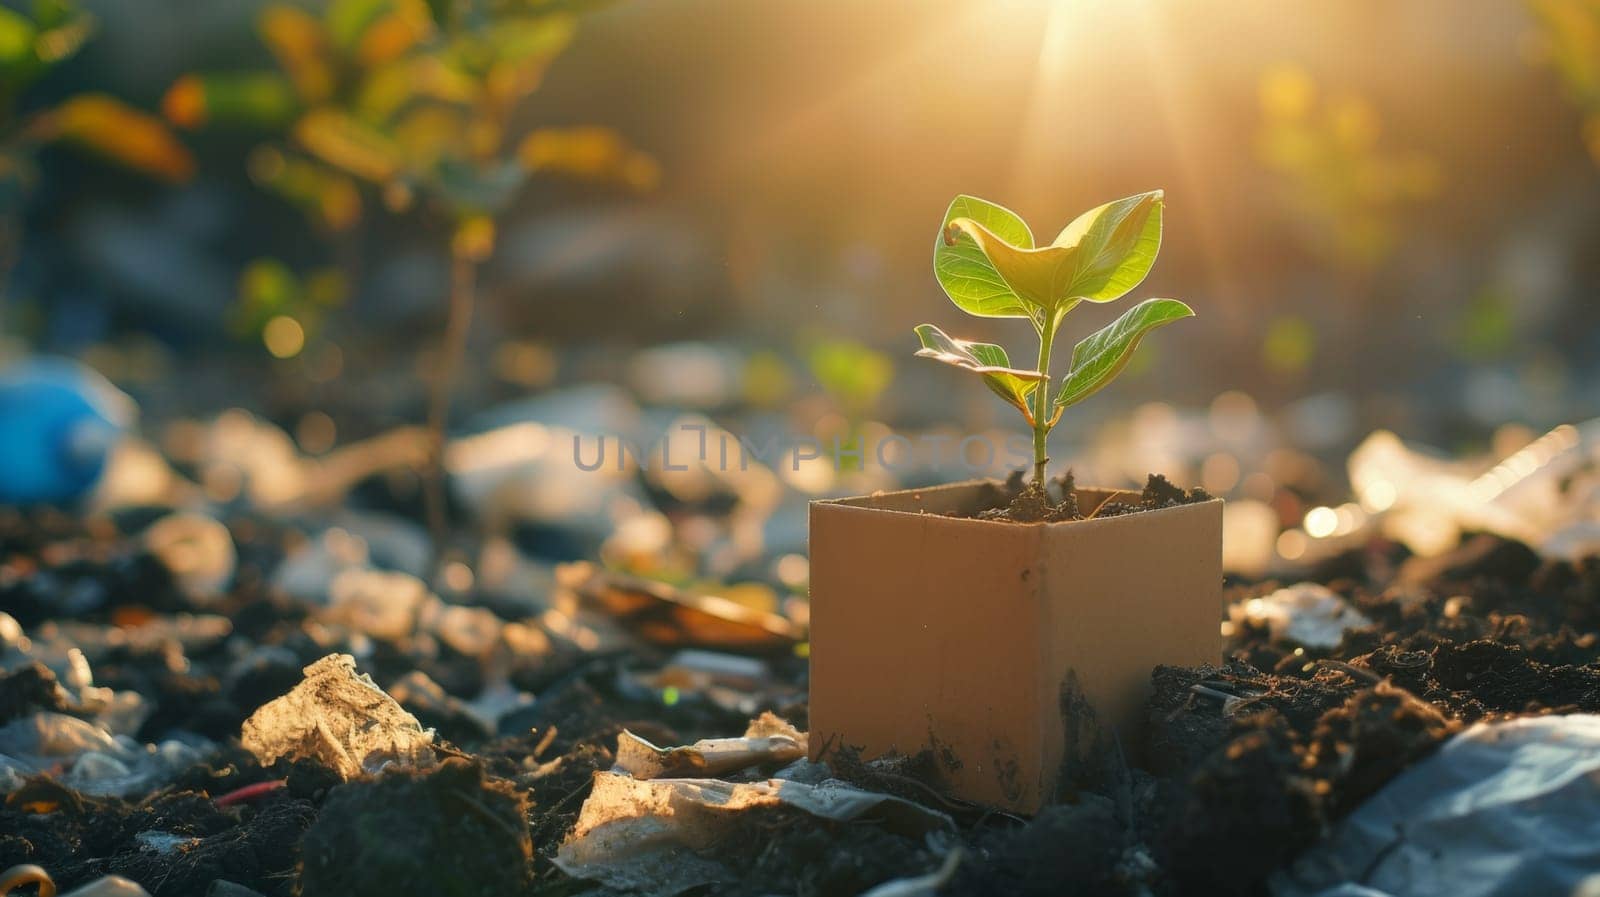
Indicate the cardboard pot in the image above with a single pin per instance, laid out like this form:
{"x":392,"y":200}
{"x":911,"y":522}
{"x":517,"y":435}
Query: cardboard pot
{"x":1013,"y":651}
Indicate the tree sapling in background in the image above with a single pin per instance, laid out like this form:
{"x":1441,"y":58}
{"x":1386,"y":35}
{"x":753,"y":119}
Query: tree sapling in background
{"x":416,"y":100}
{"x":987,"y":263}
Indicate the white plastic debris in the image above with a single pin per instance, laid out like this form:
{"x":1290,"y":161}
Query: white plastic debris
{"x":392,"y":542}
{"x":1503,"y":809}
{"x":472,"y":631}
{"x":197,"y":549}
{"x":307,"y":574}
{"x":922,"y":885}
{"x":1573,"y":542}
{"x":647,"y":836}
{"x":382,"y":605}
{"x":118,"y":712}
{"x":1528,"y":495}
{"x":686,"y":375}
{"x":729,"y":681}
{"x":251,"y":457}
{"x":109,"y":886}
{"x":1307,"y":613}
{"x":340,"y":718}
{"x":163,"y":843}
{"x":137,"y":475}
{"x":194,"y":633}
{"x":86,"y":757}
{"x":12,"y":637}
{"x":528,"y":472}
{"x":769,"y":741}
{"x":499,"y":697}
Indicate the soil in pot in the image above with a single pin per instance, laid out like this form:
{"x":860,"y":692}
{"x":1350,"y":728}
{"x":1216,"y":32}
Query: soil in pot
{"x":1018,"y":501}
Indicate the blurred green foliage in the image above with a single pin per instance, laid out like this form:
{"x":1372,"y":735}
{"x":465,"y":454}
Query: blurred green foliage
{"x":34,"y":43}
{"x":1568,"y":39}
{"x":1289,"y":346}
{"x":852,"y":374}
{"x":411,"y":99}
{"x":404,"y":102}
{"x":1486,"y":329}
{"x":269,"y":290}
{"x":411,"y":102}
{"x":1348,"y":190}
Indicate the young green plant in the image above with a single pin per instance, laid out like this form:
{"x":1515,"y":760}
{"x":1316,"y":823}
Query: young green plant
{"x":987,"y":263}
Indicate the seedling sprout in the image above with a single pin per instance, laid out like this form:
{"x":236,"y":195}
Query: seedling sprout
{"x":985,"y":259}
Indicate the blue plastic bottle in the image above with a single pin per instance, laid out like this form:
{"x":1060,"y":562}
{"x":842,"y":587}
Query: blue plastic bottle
{"x":58,"y":423}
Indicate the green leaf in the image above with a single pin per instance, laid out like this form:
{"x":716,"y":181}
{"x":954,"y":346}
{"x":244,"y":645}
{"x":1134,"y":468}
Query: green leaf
{"x":853,"y":374}
{"x":348,"y":20}
{"x":252,"y":99}
{"x":963,"y":268}
{"x":443,"y":12}
{"x":338,"y":139}
{"x":1038,"y":278}
{"x":1115,"y":246}
{"x":16,"y":37}
{"x":1102,"y":355}
{"x":1009,"y":383}
{"x":54,"y":13}
{"x":116,"y":131}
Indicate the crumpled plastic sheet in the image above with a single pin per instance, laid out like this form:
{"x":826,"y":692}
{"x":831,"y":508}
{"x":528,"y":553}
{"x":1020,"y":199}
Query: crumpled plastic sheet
{"x":340,"y":718}
{"x":118,"y":712}
{"x":649,"y":836}
{"x":1306,"y":613}
{"x":769,"y":741}
{"x":1501,"y":810}
{"x":87,"y":758}
{"x":1542,"y":494}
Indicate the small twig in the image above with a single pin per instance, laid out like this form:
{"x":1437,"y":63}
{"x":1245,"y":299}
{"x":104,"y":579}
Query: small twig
{"x":544,"y":742}
{"x":1109,"y":499}
{"x":488,"y":814}
{"x":563,"y":802}
{"x":1230,"y":702}
{"x":926,"y":789}
{"x":1351,"y":670}
{"x":457,"y":326}
{"x":450,"y":751}
{"x":991,"y":812}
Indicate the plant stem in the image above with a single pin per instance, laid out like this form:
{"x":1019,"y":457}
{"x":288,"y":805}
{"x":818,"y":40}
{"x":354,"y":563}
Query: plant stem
{"x":1041,"y":403}
{"x":463,"y":276}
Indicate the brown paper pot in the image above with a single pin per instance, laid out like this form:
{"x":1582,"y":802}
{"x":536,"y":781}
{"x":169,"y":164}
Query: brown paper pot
{"x":1012,"y":651}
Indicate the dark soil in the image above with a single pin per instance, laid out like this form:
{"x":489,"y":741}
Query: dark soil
{"x":448,"y":831}
{"x":1246,"y":762}
{"x":1029,"y":502}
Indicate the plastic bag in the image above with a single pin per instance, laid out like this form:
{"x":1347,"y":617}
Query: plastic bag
{"x":1502,"y":810}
